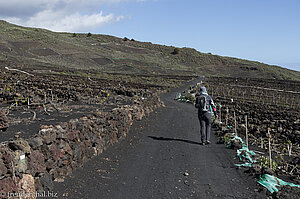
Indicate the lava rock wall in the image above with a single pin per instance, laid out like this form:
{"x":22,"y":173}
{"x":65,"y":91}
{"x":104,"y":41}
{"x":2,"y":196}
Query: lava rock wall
{"x":54,"y":152}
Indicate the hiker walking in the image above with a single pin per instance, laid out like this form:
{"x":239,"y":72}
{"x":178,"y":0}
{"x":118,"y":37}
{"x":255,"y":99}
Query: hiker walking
{"x":205,"y":106}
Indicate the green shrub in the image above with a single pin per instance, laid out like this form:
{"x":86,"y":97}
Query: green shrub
{"x":227,"y":138}
{"x":175,"y":51}
{"x":265,"y":162}
{"x":89,"y":34}
{"x":190,"y":97}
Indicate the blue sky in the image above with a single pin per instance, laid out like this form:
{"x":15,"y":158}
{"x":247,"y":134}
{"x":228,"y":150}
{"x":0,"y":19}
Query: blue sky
{"x":263,"y":30}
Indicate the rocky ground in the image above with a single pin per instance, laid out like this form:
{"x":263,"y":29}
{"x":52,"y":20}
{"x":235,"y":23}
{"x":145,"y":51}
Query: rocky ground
{"x":29,"y":101}
{"x":266,"y":108}
{"x":162,"y":158}
{"x":51,"y":124}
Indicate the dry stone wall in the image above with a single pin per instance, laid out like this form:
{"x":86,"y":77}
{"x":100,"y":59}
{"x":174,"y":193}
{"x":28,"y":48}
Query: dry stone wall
{"x":29,"y":165}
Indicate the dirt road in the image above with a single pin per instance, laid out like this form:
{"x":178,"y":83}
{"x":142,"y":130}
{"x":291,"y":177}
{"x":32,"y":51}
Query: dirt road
{"x":162,"y":158}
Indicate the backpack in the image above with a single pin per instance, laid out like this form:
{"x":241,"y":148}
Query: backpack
{"x":203,"y":103}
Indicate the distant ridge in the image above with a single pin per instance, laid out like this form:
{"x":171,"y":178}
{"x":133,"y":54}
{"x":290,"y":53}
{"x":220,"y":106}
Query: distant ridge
{"x":37,"y":49}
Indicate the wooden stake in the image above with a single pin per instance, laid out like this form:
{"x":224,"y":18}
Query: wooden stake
{"x":246,"y":121}
{"x":270,"y":150}
{"x":227,"y":111}
{"x":220,"y":113}
{"x":289,"y":146}
{"x":234,"y":122}
{"x":51,"y":95}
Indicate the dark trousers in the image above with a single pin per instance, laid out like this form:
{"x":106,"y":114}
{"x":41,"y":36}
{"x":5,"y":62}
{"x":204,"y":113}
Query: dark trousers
{"x":205,"y":125}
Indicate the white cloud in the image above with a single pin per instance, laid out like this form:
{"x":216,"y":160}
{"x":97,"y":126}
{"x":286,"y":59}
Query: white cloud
{"x":58,"y":21}
{"x":58,"y":15}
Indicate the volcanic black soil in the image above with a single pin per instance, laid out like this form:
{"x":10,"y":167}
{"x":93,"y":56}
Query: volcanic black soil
{"x":162,"y":158}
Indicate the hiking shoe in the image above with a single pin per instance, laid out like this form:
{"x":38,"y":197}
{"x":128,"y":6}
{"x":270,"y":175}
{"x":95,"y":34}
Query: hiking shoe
{"x":207,"y":142}
{"x":202,"y":143}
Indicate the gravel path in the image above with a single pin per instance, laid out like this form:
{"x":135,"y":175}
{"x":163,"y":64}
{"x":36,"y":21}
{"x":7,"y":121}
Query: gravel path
{"x":162,"y":158}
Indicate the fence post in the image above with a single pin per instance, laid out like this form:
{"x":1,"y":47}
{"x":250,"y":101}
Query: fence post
{"x":234,"y":122}
{"x":220,"y":113}
{"x":289,"y":146}
{"x":270,"y":150}
{"x":227,"y":112}
{"x":246,"y":121}
{"x":28,"y":103}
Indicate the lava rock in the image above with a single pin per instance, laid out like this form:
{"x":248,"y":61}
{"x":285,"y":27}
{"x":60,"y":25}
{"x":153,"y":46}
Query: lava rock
{"x":19,"y":144}
{"x":36,"y":163}
{"x":3,"y":169}
{"x":35,"y":142}
{"x":26,"y":185}
{"x":7,"y":157}
{"x":7,"y":185}
{"x":46,"y":182}
{"x":3,"y":120}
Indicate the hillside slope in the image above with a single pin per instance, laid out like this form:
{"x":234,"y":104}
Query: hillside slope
{"x":43,"y":50}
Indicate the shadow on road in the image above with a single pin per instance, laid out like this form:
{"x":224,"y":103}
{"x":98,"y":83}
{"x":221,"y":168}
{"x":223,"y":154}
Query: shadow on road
{"x":173,"y":139}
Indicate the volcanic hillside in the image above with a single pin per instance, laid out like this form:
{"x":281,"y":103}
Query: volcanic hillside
{"x":40,"y":50}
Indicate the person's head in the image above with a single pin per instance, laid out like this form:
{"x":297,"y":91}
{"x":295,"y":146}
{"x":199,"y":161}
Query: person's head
{"x":203,"y":90}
